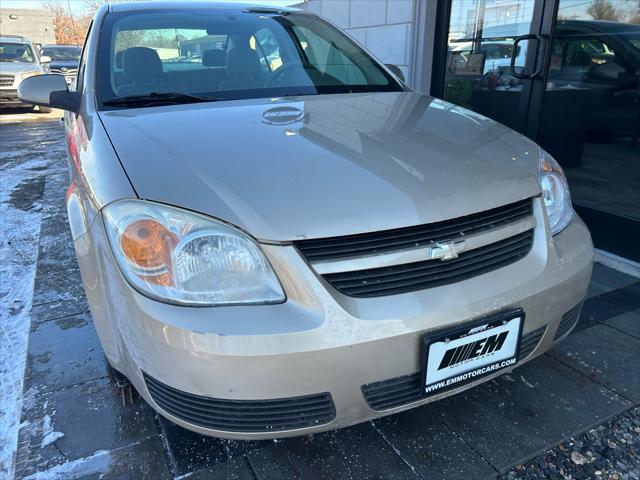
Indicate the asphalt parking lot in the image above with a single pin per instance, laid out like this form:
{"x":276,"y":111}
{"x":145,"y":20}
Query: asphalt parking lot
{"x":556,"y":416}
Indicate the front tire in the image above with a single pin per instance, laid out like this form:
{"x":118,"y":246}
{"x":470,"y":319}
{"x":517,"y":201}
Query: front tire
{"x":127,"y":392}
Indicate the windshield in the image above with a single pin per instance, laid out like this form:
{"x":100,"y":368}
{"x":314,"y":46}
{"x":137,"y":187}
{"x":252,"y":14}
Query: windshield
{"x":16,"y":52}
{"x":60,"y":54}
{"x":220,"y":55}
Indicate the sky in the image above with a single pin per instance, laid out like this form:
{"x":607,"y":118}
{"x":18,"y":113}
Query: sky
{"x":78,"y":6}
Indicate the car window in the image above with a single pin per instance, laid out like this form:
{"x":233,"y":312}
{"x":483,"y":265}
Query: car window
{"x":230,"y":55}
{"x":16,"y":52}
{"x":79,"y":84}
{"x":268,"y":48}
{"x":328,"y":58}
{"x":58,"y":54}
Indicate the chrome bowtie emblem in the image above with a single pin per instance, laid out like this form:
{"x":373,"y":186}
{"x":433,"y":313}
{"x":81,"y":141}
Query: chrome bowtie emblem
{"x":283,"y":115}
{"x":63,"y":69}
{"x":445,"y":251}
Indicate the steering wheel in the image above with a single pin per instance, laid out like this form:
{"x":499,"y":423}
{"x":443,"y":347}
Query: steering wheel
{"x":281,"y":71}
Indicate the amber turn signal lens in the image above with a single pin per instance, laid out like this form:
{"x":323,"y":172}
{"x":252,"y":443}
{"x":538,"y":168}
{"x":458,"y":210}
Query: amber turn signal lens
{"x":148,"y":245}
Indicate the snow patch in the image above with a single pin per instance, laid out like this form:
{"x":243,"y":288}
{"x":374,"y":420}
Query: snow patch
{"x":98,"y":463}
{"x":19,"y":234}
{"x":49,"y":435}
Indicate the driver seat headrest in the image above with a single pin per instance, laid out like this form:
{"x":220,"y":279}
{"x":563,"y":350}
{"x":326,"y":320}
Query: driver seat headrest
{"x":215,"y":57}
{"x":141,"y":64}
{"x":242,"y":62}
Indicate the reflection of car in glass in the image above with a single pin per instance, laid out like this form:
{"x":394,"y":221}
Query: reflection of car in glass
{"x":64,"y":60}
{"x":18,"y":60}
{"x":270,"y":252}
{"x":602,"y":58}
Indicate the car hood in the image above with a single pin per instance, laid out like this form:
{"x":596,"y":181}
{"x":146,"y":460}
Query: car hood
{"x":326,"y":165}
{"x":13,"y":68}
{"x":64,"y":64}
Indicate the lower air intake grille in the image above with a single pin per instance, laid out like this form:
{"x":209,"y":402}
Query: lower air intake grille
{"x":568,"y":321}
{"x":530,"y":341}
{"x":243,"y":415}
{"x":393,"y":392}
{"x":408,"y":388}
{"x":413,"y":276}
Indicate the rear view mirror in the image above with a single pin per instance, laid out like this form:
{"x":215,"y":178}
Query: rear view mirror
{"x":48,"y":91}
{"x":396,"y":71}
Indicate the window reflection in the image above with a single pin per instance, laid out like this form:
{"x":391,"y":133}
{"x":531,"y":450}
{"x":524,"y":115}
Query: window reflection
{"x":591,"y":107}
{"x":481,"y":46}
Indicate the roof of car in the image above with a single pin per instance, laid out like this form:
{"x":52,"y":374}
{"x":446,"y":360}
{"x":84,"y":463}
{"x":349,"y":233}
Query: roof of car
{"x":188,"y":5}
{"x":603,"y":26}
{"x":54,"y":45}
{"x":14,"y":39}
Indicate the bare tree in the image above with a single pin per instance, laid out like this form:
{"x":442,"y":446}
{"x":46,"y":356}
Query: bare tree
{"x":603,"y":10}
{"x":69,"y":28}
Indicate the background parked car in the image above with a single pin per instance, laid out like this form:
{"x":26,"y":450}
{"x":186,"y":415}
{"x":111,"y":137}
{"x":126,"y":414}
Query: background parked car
{"x":64,"y":60}
{"x":19,"y":59}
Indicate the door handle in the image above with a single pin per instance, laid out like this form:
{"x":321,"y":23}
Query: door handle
{"x":539,"y":63}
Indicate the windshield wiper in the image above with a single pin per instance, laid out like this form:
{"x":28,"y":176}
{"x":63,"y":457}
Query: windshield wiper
{"x":155,"y":98}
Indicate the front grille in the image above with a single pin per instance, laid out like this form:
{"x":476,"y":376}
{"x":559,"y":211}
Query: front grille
{"x":6,"y":80}
{"x":69,"y":71}
{"x":409,"y":388}
{"x":568,"y":321}
{"x":410,"y":237}
{"x":409,"y":277}
{"x":243,"y":415}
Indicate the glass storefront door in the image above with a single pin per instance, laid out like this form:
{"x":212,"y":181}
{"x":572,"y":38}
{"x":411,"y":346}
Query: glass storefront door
{"x":567,"y":74}
{"x":591,"y":116}
{"x":484,"y":37}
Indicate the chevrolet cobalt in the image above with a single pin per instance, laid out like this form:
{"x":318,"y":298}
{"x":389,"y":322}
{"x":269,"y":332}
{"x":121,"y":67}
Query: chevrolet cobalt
{"x":278,"y":237}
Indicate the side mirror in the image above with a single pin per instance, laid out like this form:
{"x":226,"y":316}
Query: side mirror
{"x":48,"y":91}
{"x":45,"y":59}
{"x":396,"y":71}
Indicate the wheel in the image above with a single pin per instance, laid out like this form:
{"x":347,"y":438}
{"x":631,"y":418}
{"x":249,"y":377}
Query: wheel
{"x":44,"y":109}
{"x":128,"y":393}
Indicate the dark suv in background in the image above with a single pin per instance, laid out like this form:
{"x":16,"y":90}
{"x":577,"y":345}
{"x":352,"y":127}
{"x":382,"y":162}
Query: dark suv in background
{"x":64,"y":60}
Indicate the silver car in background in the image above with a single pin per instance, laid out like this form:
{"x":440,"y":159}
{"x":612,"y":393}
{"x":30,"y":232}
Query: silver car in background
{"x":278,"y":237}
{"x":19,"y":59}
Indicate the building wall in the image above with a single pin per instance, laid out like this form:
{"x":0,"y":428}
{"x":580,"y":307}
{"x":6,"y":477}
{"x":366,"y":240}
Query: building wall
{"x":36,"y":25}
{"x":382,"y":26}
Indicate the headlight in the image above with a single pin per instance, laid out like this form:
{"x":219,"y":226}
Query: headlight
{"x":555,"y":192}
{"x":181,"y":257}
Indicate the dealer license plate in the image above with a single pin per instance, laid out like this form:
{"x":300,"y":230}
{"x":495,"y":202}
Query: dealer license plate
{"x":471,"y":352}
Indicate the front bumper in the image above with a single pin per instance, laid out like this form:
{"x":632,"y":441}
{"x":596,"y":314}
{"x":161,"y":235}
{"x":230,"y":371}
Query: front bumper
{"x":319,"y":341}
